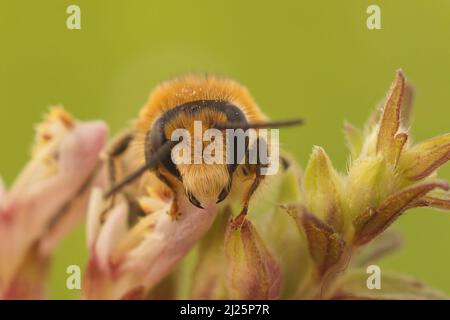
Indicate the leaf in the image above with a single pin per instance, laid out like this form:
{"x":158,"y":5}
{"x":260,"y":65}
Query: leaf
{"x":289,"y":188}
{"x":390,"y":120}
{"x":326,"y":247}
{"x":366,"y":184}
{"x":375,"y":220}
{"x":437,"y":199}
{"x":252,"y":271}
{"x":407,"y":105}
{"x":393,"y":287}
{"x":422,"y":159}
{"x":323,"y":186}
{"x":437,"y":203}
{"x":399,"y":143}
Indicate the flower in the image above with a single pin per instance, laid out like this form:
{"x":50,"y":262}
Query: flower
{"x":391,"y":174}
{"x":46,"y":200}
{"x":128,"y":260}
{"x":387,"y":175}
{"x":253,"y":273}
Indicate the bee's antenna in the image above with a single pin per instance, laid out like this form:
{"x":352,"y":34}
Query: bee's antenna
{"x":136,"y":174}
{"x":260,"y":125}
{"x":149,"y":165}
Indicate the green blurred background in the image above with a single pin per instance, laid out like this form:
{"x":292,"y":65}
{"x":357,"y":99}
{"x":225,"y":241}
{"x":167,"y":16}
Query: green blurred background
{"x":314,"y":59}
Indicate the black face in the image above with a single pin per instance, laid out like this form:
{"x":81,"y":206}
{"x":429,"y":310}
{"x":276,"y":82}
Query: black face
{"x":156,"y":135}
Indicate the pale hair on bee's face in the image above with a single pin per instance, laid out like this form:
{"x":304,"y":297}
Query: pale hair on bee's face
{"x":204,"y":182}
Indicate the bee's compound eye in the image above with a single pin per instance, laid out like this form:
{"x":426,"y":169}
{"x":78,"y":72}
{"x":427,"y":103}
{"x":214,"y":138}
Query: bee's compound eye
{"x":194,"y":200}
{"x":223,"y":194}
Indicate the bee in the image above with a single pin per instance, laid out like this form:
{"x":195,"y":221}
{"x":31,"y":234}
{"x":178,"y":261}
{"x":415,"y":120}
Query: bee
{"x":142,"y":155}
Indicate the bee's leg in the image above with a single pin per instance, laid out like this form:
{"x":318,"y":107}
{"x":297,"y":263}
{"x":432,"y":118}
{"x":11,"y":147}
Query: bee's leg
{"x":135,"y":211}
{"x":174,"y":212}
{"x":251,"y":191}
{"x":256,"y":169}
{"x":246,"y":201}
{"x":117,"y":148}
{"x":249,"y":169}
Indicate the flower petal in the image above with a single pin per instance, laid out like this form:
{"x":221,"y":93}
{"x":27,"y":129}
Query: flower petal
{"x":73,"y":212}
{"x":64,"y":222}
{"x":60,"y":167}
{"x":390,"y":120}
{"x":78,"y":155}
{"x":166,"y":243}
{"x":111,"y":233}
{"x":442,"y":203}
{"x":326,"y":247}
{"x":323,"y":186}
{"x":30,"y":279}
{"x":375,"y":220}
{"x":422,"y":159}
{"x":407,"y":105}
{"x":399,"y":143}
{"x":94,"y":213}
{"x":368,"y":182}
{"x":253,"y":273}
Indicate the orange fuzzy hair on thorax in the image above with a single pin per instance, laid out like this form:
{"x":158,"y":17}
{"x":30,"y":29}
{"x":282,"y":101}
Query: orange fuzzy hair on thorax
{"x":190,"y":88}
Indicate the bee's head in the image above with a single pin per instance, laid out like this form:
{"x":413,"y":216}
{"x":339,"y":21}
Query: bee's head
{"x":197,"y":160}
